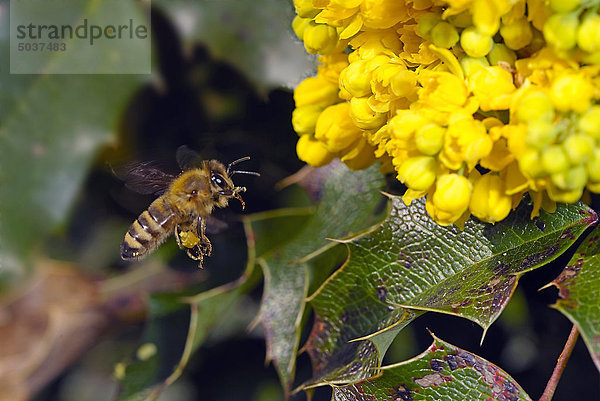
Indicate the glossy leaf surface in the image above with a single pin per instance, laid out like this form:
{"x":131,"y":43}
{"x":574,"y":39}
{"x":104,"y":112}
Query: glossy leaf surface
{"x":410,"y":265}
{"x":579,"y":290}
{"x":442,"y":372}
{"x":348,"y":202}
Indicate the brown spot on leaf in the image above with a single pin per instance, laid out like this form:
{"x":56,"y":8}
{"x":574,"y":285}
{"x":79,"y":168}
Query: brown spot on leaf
{"x":432,"y":379}
{"x":401,"y":393}
{"x":382,"y":293}
{"x":436,"y":365}
{"x":538,"y":258}
{"x":501,"y":268}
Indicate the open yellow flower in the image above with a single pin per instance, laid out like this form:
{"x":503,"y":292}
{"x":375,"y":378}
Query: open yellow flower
{"x":441,"y":90}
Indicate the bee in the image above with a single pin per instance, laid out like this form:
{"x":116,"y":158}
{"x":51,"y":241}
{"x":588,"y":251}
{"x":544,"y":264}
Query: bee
{"x":184,"y":206}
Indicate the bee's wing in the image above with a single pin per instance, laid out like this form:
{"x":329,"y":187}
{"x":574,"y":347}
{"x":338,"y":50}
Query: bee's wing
{"x":214,"y":225}
{"x":187,"y":158}
{"x":145,"y":178}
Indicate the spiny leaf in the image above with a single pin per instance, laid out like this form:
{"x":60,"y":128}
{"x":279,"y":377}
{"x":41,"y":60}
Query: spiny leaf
{"x":442,"y":372}
{"x":579,"y":289}
{"x":410,"y":265}
{"x":146,"y":379}
{"x":348,"y":204}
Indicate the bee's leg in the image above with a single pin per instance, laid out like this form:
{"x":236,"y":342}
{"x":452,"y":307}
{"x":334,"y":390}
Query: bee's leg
{"x":204,"y":243}
{"x":178,"y":236}
{"x":196,"y":254}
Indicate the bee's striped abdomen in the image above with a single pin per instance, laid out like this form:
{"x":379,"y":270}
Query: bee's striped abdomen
{"x":148,"y":231}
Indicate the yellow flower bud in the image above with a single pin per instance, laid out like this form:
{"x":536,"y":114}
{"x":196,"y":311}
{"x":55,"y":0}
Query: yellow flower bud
{"x":593,"y":166}
{"x":382,"y":14}
{"x":564,"y":195}
{"x":470,"y":64}
{"x":364,"y":116}
{"x":442,"y":90}
{"x":554,"y":159}
{"x":492,"y":86}
{"x":320,"y":38}
{"x":335,"y":128}
{"x":427,"y":22}
{"x":489,"y":201}
{"x":430,"y":139}
{"x":564,"y":6}
{"x":474,"y":43}
{"x":572,"y":92}
{"x":316,"y":91}
{"x":356,"y":77}
{"x":540,"y":133}
{"x":501,"y":53}
{"x":405,"y":123}
{"x":418,"y":173}
{"x":531,"y":164}
{"x":299,"y":25}
{"x":499,"y":157}
{"x":486,"y":16}
{"x":461,"y":20}
{"x":517,"y":34}
{"x":360,"y":156}
{"x":534,"y":105}
{"x":466,"y":140}
{"x":579,"y":148}
{"x":589,"y":122}
{"x":305,"y":9}
{"x":560,"y":30}
{"x":538,"y":12}
{"x":444,"y":35}
{"x":588,"y":34}
{"x":304,"y":118}
{"x":390,"y":81}
{"x":450,"y":199}
{"x":570,"y":179}
{"x":312,"y":151}
{"x":331,"y":66}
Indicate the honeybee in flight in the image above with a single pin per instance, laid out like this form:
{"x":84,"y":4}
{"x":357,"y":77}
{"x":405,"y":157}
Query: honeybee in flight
{"x":184,"y":206}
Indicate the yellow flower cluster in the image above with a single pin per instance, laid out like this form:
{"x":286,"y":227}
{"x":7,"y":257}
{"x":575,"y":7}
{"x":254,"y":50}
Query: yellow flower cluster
{"x":472,"y":103}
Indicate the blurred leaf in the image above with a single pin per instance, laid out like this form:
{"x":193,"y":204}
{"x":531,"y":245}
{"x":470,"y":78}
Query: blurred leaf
{"x":442,"y":372}
{"x":146,"y":379}
{"x":51,"y":127}
{"x":579,"y":289}
{"x":349,"y":201}
{"x":410,"y":265}
{"x":255,"y":36}
{"x":45,"y":327}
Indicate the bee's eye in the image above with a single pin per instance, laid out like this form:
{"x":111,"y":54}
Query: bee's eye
{"x":194,"y":192}
{"x":217,"y":180}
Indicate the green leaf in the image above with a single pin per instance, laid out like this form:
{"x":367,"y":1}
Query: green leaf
{"x":146,"y":379}
{"x":579,"y":290}
{"x":410,"y":265}
{"x":51,"y":128}
{"x":349,"y":203}
{"x":442,"y":372}
{"x":255,"y":36}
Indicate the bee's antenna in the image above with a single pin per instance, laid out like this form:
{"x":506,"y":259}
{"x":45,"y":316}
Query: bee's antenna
{"x":233,"y":163}
{"x":244,"y":172}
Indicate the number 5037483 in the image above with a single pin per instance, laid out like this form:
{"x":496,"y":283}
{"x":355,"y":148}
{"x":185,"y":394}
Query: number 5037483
{"x":36,"y":47}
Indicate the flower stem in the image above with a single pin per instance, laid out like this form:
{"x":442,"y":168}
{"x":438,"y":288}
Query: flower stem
{"x":560,"y":365}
